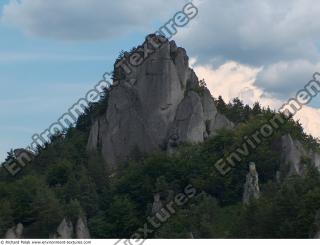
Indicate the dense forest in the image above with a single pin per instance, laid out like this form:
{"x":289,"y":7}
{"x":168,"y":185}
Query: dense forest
{"x":63,"y":181}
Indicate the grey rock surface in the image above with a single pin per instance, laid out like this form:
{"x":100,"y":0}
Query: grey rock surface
{"x":189,"y":123}
{"x":11,"y":234}
{"x":93,"y":140}
{"x":293,"y":152}
{"x":315,"y":157}
{"x":157,"y":204}
{"x":19,"y":230}
{"x":161,"y":109}
{"x":65,"y":230}
{"x":15,"y":232}
{"x":82,"y":231}
{"x":251,"y":186}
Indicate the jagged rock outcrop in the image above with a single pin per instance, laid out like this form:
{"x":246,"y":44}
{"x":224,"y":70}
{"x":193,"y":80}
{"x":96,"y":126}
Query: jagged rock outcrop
{"x":162,"y":108}
{"x":66,"y":230}
{"x":157,"y":204}
{"x":293,"y":153}
{"x":15,"y":232}
{"x":251,"y":187}
{"x":82,"y":231}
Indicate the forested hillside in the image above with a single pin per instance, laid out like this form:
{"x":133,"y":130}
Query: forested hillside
{"x":63,"y":181}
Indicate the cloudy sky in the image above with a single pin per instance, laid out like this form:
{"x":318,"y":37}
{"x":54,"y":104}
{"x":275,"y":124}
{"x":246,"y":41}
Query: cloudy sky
{"x":52,"y":52}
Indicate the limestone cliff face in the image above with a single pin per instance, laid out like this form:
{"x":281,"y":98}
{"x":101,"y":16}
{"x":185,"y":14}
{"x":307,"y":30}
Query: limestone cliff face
{"x":156,"y":107}
{"x":293,"y":152}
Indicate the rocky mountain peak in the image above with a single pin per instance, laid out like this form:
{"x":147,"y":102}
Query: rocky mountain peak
{"x":156,"y":106}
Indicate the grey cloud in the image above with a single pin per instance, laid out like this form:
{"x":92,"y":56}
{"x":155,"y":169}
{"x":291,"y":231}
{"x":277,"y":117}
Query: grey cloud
{"x":281,"y":36}
{"x":278,"y":35}
{"x":284,"y":79}
{"x":86,"y":19}
{"x":254,"y":32}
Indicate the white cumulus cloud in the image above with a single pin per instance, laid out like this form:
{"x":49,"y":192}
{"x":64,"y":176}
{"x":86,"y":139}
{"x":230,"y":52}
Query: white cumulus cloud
{"x":232,"y":80}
